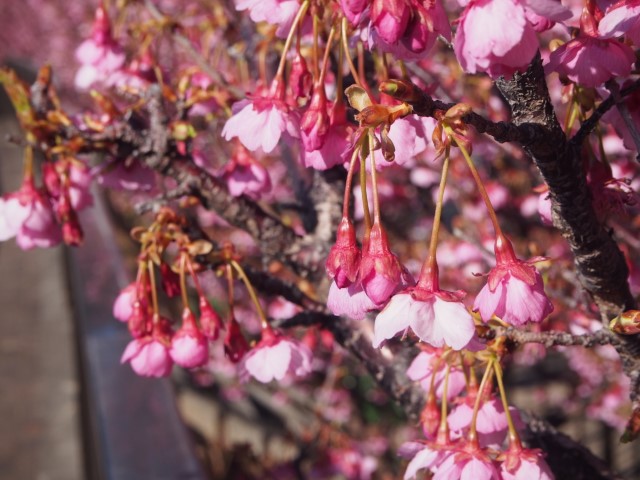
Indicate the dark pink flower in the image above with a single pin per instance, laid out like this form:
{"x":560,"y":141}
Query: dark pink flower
{"x":314,"y":123}
{"x":235,"y":345}
{"x":275,"y":356}
{"x":336,"y":142}
{"x":380,"y":270}
{"x":494,"y":36}
{"x":390,"y":18}
{"x":210,"y":322}
{"x":591,"y":61}
{"x":189,"y":347}
{"x":514,"y":291}
{"x":343,"y":261}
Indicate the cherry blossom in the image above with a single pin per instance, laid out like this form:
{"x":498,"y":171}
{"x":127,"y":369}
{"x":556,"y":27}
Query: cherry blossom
{"x":275,"y":356}
{"x":189,"y":347}
{"x":514,"y":291}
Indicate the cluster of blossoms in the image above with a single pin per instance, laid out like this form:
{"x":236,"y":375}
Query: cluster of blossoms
{"x":156,"y":345}
{"x":299,"y":110}
{"x":466,"y":440}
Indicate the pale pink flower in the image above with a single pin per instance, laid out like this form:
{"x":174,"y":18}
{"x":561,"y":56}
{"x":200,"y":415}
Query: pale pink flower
{"x":149,"y":355}
{"x":542,"y":14}
{"x":245,"y":175}
{"x":437,"y":317}
{"x":189,"y":347}
{"x":429,"y":362}
{"x":470,"y":463}
{"x":79,"y":186}
{"x":491,"y":423}
{"x":123,"y":305}
{"x":351,"y":301}
{"x":514,"y":291}
{"x":260,"y":121}
{"x":28,"y":215}
{"x":275,"y":356}
{"x":494,"y":36}
{"x":274,"y":12}
{"x":122,"y":175}
{"x":100,"y":55}
{"x":428,"y":458}
{"x":525,"y":464}
{"x":623,"y":18}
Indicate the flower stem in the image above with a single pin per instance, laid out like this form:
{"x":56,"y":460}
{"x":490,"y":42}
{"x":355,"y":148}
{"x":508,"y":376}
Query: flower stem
{"x":514,"y":438}
{"x":473,"y":433}
{"x":348,"y":183}
{"x":479,"y":184}
{"x":325,"y":58}
{"x":252,"y":293}
{"x":374,"y":178}
{"x":183,"y":280}
{"x":154,"y":292}
{"x":363,"y":192}
{"x":301,"y":12}
{"x":433,"y":243}
{"x":28,"y":164}
{"x":345,"y":46}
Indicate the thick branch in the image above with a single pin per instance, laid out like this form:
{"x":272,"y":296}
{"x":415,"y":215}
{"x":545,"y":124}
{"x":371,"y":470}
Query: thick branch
{"x":555,"y":338}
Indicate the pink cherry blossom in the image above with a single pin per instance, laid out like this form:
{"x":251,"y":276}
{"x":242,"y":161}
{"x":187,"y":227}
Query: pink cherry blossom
{"x":429,"y":362}
{"x":259,"y":122}
{"x":514,"y":291}
{"x":343,"y":261}
{"x":245,"y":175}
{"x":437,"y":318}
{"x":351,"y":301}
{"x":149,"y":355}
{"x":314,"y":123}
{"x":525,"y":464}
{"x":380,"y":270}
{"x":275,"y":356}
{"x":591,"y":61}
{"x":28,"y":215}
{"x":491,"y":423}
{"x":123,"y":305}
{"x":99,"y":55}
{"x":390,"y":18}
{"x":623,"y":18}
{"x":494,"y":36}
{"x":428,"y":458}
{"x":407,"y":30}
{"x":336,"y":142}
{"x":275,"y":12}
{"x":189,"y":347}
{"x":470,"y":463}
